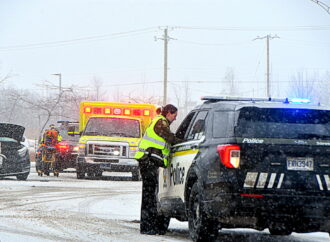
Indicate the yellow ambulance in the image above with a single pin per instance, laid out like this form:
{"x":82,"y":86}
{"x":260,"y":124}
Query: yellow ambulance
{"x":110,"y":133}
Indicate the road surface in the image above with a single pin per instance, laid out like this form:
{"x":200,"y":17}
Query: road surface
{"x":66,"y":209}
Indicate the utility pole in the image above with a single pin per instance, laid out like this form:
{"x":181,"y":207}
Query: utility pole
{"x":59,"y":92}
{"x":267,"y":37}
{"x":166,"y":38}
{"x":165,"y":66}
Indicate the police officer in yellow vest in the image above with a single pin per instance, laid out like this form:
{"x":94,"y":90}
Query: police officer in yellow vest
{"x":153,"y":152}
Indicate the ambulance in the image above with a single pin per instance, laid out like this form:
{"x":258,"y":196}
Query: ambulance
{"x":109,"y":136}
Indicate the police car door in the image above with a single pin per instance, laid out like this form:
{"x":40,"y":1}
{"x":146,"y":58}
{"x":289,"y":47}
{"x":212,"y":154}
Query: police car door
{"x":173,"y":179}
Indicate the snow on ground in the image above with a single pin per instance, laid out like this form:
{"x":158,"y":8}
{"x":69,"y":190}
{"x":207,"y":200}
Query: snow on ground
{"x":66,"y":209}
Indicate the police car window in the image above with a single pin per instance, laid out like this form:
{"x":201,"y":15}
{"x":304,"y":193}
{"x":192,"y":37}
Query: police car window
{"x":220,"y":124}
{"x":197,"y":130}
{"x":283,"y":123}
{"x":182,"y":130}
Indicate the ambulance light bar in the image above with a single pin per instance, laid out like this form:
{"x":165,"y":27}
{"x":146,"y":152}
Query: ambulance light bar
{"x":117,"y":111}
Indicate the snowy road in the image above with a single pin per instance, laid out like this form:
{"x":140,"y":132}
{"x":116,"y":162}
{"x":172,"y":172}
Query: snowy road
{"x":67,"y":209}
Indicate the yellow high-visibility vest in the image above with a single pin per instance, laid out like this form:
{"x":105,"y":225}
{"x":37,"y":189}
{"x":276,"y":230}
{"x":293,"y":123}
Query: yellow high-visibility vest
{"x":153,"y":140}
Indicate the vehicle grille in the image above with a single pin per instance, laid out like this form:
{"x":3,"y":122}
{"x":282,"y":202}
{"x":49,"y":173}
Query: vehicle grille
{"x":114,"y":150}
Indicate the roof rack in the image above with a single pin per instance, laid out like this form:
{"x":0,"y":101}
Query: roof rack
{"x":219,"y":99}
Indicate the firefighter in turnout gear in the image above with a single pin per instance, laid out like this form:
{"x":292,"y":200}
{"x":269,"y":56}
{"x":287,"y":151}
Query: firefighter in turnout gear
{"x":153,"y":152}
{"x":46,"y":155}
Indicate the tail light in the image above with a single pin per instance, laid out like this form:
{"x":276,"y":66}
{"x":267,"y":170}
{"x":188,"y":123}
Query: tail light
{"x":229,"y":155}
{"x":62,"y":147}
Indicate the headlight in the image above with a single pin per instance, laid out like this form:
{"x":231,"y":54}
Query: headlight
{"x":81,"y":148}
{"x":22,"y":151}
{"x":132,"y":151}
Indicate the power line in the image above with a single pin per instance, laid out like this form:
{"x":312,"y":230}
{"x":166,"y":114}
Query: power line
{"x":322,"y":5}
{"x":302,"y":43}
{"x":76,"y":40}
{"x":132,"y":83}
{"x":264,"y":28}
{"x":212,"y":44}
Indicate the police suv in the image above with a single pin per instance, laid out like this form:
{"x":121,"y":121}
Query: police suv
{"x":251,"y":163}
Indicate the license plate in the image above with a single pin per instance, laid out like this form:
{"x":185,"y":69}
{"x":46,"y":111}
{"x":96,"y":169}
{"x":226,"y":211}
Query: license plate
{"x":300,"y":164}
{"x":107,"y":165}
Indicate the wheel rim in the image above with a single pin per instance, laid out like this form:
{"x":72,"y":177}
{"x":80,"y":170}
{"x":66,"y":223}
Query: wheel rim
{"x":196,"y":213}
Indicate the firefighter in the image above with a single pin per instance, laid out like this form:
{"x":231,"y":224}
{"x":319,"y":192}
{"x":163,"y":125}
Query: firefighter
{"x":46,"y":155}
{"x":57,"y":136}
{"x":152,"y":153}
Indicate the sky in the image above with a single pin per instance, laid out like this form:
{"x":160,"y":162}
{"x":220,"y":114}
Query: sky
{"x":119,"y":43}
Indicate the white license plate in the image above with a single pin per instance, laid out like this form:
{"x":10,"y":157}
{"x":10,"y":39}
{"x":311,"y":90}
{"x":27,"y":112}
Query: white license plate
{"x":300,"y":163}
{"x":107,"y":165}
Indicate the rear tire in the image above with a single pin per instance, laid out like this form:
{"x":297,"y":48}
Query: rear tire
{"x":22,"y":177}
{"x":280,"y":229}
{"x":201,"y":228}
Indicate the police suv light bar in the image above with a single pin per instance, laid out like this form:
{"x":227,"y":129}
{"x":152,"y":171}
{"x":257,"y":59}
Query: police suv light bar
{"x":283,"y":100}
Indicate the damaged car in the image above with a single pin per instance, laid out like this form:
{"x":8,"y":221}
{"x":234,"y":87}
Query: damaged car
{"x":14,"y":155}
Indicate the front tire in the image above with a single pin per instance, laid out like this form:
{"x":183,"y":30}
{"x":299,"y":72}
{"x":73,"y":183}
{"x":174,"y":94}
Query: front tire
{"x":22,"y":177}
{"x":98,"y":173}
{"x":201,"y":228}
{"x":136,"y":175}
{"x":80,"y":172}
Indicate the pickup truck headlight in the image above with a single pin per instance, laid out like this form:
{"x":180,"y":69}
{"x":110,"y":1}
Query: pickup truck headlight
{"x":132,"y":151}
{"x":82,"y":148}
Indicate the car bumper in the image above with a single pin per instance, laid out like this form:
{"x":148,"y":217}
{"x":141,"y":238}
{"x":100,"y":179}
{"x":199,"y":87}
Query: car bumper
{"x":117,"y":165}
{"x":13,"y":172}
{"x":269,"y":207}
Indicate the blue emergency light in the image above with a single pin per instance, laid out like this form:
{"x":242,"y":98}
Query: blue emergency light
{"x":299,"y":100}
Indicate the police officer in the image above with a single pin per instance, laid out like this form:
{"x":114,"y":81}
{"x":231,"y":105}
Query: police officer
{"x":153,"y":152}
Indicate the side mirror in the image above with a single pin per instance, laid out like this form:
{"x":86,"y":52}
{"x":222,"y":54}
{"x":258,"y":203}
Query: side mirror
{"x":23,"y":139}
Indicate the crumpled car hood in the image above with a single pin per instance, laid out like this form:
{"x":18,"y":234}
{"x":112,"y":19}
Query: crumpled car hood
{"x":12,"y":131}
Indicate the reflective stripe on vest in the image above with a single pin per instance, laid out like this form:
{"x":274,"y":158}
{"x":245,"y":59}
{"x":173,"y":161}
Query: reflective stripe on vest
{"x":158,"y":142}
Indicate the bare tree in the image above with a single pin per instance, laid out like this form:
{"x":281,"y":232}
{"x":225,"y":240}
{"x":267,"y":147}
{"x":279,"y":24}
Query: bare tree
{"x":182,"y":95}
{"x":4,"y":78}
{"x":99,"y":93}
{"x":324,"y":90}
{"x":304,"y":85}
{"x":229,"y":82}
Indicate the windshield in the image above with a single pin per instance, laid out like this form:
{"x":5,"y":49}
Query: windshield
{"x":63,"y":131}
{"x":283,"y":123}
{"x":118,"y":127}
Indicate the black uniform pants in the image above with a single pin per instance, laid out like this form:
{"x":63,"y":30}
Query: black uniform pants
{"x":150,"y":221}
